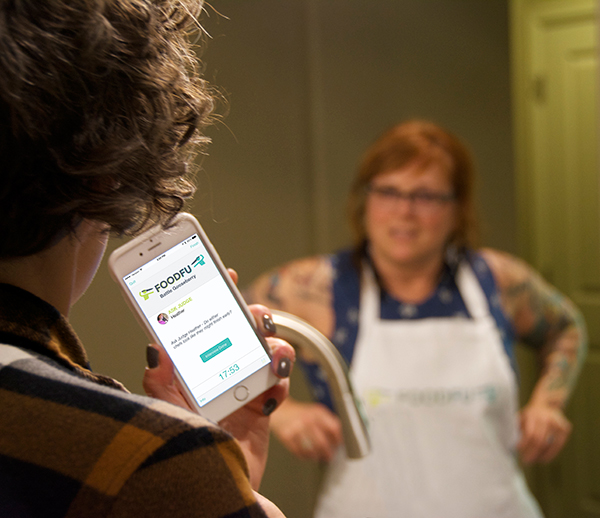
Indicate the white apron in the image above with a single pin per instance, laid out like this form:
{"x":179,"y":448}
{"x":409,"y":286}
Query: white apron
{"x":441,"y":400}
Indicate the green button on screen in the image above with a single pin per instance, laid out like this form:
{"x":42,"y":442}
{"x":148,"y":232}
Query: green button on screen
{"x":213,"y":351}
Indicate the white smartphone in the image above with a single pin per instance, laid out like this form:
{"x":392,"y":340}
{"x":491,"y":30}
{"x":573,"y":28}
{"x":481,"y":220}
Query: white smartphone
{"x":179,"y":290}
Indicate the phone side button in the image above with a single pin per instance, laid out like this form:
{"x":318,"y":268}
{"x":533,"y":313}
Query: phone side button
{"x":241,"y":393}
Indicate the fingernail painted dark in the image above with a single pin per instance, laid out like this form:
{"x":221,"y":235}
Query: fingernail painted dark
{"x":284,"y":367}
{"x":269,"y":406}
{"x":152,"y":357}
{"x":269,"y":324}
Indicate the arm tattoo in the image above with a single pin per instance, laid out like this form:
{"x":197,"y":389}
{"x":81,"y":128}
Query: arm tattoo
{"x":309,"y":288}
{"x":271,"y":294}
{"x":540,"y":313}
{"x":548,"y":321}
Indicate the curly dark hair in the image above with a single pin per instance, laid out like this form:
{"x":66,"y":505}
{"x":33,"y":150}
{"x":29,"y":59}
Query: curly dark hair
{"x":99,"y":101}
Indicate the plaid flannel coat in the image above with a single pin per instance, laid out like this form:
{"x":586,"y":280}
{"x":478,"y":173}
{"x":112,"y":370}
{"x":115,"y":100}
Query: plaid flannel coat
{"x":77,"y":444}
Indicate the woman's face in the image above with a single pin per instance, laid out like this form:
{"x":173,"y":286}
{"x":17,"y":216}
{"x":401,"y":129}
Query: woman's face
{"x":410,"y":215}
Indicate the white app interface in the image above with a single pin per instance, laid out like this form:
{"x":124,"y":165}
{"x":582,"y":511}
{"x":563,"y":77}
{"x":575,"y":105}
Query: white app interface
{"x":197,"y":319}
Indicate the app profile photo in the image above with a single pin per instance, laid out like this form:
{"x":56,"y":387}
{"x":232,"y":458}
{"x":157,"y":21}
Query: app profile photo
{"x":163,"y":318}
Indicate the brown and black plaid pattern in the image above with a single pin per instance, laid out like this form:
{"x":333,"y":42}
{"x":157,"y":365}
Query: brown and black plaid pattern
{"x":75,"y":444}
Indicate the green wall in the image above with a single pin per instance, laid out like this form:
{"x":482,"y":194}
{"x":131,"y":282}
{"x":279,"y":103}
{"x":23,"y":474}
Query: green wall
{"x":310,"y":84}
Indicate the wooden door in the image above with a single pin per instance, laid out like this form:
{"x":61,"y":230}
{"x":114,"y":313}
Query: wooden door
{"x":557,"y":146}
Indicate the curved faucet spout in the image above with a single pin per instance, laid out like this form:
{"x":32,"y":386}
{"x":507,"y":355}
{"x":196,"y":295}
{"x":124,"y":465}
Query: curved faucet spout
{"x":305,"y":337}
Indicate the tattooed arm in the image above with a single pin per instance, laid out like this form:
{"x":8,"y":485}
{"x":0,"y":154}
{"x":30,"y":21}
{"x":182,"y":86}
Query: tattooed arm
{"x":303,"y":288}
{"x":546,"y":320}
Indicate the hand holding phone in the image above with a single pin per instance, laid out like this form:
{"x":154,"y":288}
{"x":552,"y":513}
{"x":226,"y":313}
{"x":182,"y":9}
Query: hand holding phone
{"x":178,"y":288}
{"x":248,"y":424}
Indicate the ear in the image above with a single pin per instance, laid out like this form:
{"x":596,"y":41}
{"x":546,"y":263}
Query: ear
{"x":90,"y":241}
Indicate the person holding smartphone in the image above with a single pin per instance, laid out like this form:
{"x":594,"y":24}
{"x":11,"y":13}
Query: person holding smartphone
{"x":220,"y":359}
{"x":428,"y":324}
{"x":98,"y":110}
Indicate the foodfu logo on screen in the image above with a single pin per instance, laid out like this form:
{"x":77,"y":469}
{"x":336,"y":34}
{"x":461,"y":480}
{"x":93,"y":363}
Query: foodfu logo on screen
{"x":179,"y":275}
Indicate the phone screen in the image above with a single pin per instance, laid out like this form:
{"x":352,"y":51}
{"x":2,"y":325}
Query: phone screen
{"x":197,"y":319}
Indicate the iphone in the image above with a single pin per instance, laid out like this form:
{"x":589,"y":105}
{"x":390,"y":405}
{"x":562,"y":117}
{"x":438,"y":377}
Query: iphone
{"x":183,"y":296}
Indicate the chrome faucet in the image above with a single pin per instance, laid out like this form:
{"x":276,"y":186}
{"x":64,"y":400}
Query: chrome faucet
{"x":303,"y":336}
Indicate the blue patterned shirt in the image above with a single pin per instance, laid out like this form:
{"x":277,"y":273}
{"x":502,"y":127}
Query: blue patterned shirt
{"x":446,"y":301}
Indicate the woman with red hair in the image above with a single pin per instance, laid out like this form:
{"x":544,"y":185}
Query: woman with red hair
{"x":427,"y":323}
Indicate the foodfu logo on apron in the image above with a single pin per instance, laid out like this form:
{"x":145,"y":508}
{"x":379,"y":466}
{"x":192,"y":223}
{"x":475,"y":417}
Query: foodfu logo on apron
{"x":433,"y":397}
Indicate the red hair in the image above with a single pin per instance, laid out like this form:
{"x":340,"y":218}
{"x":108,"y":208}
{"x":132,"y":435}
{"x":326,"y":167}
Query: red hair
{"x":425,"y":143}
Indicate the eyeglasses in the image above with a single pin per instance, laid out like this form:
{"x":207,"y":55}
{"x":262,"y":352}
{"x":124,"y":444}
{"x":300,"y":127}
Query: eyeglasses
{"x":423,"y":200}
